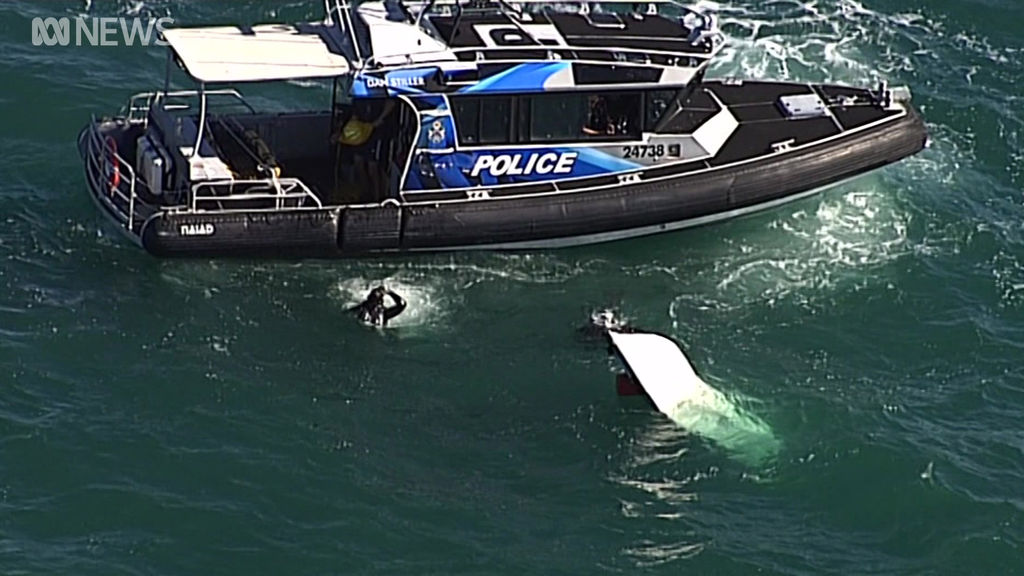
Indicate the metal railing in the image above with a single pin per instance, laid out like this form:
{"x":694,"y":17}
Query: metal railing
{"x":570,"y":53}
{"x":136,"y":111}
{"x":340,"y":12}
{"x":582,"y":6}
{"x":115,"y":183}
{"x":275,"y":193}
{"x":108,"y":171}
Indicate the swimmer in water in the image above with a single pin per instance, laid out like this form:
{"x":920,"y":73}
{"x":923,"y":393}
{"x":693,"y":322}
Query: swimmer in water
{"x":372,"y":311}
{"x":601,"y":321}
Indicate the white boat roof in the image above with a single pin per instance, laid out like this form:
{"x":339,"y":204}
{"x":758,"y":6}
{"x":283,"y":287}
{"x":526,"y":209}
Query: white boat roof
{"x":257,"y":53}
{"x":397,"y":43}
{"x":659,"y":366}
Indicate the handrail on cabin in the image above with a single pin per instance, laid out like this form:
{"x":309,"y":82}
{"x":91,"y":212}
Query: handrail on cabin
{"x":706,"y":30}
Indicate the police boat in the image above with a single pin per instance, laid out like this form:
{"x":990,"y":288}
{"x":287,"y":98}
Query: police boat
{"x":471,"y":124}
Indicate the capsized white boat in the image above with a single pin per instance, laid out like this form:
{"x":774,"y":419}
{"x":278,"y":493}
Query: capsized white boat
{"x":658,"y":364}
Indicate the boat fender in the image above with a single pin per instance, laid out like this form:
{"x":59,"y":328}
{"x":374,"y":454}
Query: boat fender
{"x":111,"y":164}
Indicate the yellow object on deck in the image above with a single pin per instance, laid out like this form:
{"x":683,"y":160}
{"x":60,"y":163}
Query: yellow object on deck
{"x":356,"y":132}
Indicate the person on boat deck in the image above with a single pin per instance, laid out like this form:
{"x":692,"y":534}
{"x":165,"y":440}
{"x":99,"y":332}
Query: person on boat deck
{"x":370,"y":157}
{"x":598,"y":120}
{"x":369,"y":133}
{"x":374,"y":312}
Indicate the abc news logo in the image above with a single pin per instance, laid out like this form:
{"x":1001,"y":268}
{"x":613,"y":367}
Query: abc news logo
{"x":107,"y":31}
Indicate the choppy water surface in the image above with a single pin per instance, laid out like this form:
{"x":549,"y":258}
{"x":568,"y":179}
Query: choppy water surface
{"x":182,"y":417}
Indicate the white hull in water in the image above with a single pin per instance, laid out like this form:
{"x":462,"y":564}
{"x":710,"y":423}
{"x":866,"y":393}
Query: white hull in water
{"x":661,"y":368}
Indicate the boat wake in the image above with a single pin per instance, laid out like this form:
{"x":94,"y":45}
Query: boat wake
{"x":819,"y":41}
{"x":469,"y":270}
{"x":815,"y":249}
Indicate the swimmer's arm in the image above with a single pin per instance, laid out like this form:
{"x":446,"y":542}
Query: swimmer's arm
{"x":395,"y":310}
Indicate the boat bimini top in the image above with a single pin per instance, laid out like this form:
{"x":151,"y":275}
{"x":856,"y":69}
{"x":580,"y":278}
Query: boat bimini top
{"x":233,"y":54}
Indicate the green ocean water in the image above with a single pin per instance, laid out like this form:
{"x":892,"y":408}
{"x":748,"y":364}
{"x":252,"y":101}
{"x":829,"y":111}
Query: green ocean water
{"x":227,"y":417}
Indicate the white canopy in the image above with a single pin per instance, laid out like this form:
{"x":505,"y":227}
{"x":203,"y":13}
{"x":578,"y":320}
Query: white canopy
{"x":257,"y":53}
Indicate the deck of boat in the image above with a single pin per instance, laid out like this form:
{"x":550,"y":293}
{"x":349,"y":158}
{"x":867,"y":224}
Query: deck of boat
{"x":762,"y":121}
{"x":636,"y":31}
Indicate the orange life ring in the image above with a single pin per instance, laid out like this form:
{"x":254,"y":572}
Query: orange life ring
{"x":112,"y":164}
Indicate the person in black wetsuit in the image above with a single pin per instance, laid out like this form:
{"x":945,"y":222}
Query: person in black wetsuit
{"x":374,"y":312}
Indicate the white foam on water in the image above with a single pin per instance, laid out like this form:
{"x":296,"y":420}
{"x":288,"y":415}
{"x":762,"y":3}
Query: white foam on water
{"x":850,"y":230}
{"x":526,"y":268}
{"x":840,"y":240}
{"x":1008,"y":274}
{"x":786,"y":42}
{"x":650,"y":554}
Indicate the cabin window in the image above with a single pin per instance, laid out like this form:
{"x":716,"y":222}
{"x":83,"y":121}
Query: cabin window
{"x":496,"y":121}
{"x":579,"y":116}
{"x":483,"y":120}
{"x":556,"y":116}
{"x":585,"y":74}
{"x":623,"y":114}
{"x":656,"y":104}
{"x":466,"y":112}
